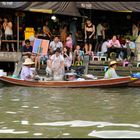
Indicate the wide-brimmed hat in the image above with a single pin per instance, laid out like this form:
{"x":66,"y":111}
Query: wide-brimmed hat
{"x":112,"y":63}
{"x":28,"y":61}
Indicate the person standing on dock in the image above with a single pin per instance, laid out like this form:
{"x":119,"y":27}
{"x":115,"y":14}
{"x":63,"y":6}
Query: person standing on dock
{"x":111,"y":72}
{"x":89,"y":33}
{"x":7,"y":26}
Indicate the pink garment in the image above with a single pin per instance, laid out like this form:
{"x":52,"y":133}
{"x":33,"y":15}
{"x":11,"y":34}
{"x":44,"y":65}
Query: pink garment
{"x":116,"y":43}
{"x":69,"y":42}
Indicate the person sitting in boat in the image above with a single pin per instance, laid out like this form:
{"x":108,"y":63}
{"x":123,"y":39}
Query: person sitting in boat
{"x":27,"y":71}
{"x":70,"y":76}
{"x":111,"y":73}
{"x":57,"y":64}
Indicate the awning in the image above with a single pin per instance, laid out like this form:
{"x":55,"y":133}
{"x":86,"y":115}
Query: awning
{"x":64,"y":8}
{"x":111,"y":6}
{"x":14,"y":5}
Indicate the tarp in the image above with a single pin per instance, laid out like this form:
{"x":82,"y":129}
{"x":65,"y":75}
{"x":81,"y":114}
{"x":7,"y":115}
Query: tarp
{"x":14,"y":5}
{"x":111,"y":6}
{"x":71,"y":8}
{"x":64,"y":8}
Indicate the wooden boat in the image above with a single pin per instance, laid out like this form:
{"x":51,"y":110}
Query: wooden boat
{"x":135,"y":83}
{"x":116,"y":82}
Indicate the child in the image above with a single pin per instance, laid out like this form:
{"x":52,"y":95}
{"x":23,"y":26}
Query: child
{"x":78,"y":55}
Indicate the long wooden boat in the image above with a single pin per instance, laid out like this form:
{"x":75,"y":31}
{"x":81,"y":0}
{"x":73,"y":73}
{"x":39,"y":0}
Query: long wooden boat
{"x":116,"y":82}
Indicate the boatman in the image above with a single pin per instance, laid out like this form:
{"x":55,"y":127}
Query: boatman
{"x":111,"y":72}
{"x":26,"y":72}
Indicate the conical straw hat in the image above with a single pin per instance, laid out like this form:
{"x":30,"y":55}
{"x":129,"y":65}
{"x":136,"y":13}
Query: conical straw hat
{"x":28,"y":61}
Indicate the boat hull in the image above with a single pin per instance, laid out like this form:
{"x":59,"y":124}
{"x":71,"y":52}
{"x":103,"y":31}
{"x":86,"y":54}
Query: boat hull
{"x":117,"y":82}
{"x":135,"y":83}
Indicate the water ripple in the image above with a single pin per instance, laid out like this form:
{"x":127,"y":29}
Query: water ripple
{"x":11,"y":131}
{"x":78,"y":123}
{"x":10,"y":112}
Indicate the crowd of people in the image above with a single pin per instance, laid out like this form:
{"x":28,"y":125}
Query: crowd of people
{"x":62,"y":54}
{"x":64,"y":50}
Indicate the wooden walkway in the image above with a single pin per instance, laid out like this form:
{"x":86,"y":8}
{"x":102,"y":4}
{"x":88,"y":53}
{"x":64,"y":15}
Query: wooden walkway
{"x":96,"y":68}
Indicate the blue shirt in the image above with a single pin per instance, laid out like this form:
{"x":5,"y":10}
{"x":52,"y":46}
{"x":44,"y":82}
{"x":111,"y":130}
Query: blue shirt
{"x":25,"y":49}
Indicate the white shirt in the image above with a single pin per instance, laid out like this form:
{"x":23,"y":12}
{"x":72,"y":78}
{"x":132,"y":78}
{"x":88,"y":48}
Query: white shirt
{"x":104,"y":46}
{"x":54,"y":45}
{"x":25,"y":72}
{"x":100,"y":28}
{"x":8,"y":29}
{"x":56,"y":63}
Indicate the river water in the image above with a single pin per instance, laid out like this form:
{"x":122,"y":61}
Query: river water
{"x":69,"y":112}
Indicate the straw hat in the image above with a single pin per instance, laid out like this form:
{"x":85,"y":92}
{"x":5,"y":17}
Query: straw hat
{"x":112,"y":63}
{"x":28,"y":61}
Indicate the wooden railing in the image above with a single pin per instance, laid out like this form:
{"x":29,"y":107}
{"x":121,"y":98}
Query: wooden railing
{"x":19,"y":43}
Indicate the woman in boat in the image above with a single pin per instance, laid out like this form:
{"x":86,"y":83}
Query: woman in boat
{"x":111,"y":72}
{"x":26,"y":72}
{"x":57,"y":64}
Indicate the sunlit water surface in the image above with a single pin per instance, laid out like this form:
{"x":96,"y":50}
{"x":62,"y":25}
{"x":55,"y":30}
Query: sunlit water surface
{"x":69,"y":112}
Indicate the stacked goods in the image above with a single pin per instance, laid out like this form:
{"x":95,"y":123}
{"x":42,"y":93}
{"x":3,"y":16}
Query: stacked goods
{"x":29,"y":32}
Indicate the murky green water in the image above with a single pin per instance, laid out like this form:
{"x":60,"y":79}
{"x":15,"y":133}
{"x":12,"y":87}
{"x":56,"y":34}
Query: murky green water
{"x":69,"y":113}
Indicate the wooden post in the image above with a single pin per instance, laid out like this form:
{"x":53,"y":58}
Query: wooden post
{"x":17,"y":33}
{"x":86,"y":62}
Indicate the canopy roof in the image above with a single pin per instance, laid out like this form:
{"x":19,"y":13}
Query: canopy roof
{"x":71,"y":8}
{"x":14,"y":5}
{"x":111,"y":6}
{"x":64,"y":8}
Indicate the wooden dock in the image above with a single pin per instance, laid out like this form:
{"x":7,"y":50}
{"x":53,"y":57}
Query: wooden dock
{"x":96,"y":68}
{"x":10,"y":56}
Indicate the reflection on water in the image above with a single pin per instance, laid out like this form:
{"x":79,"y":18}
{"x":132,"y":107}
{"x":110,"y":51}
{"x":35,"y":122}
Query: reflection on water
{"x":115,"y":134}
{"x":69,"y":112}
